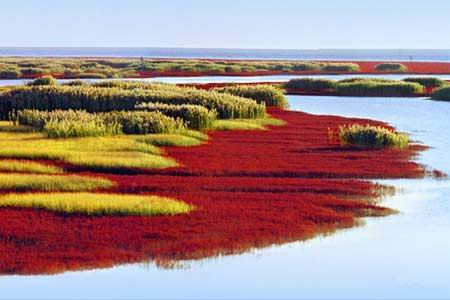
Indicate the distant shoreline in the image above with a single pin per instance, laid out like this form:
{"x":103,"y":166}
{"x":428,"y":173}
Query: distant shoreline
{"x":436,"y":55}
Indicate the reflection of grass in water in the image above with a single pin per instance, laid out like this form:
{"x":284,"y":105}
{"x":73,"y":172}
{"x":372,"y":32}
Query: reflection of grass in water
{"x":69,"y":183}
{"x":21,"y":166}
{"x":112,"y":152}
{"x":97,"y":204}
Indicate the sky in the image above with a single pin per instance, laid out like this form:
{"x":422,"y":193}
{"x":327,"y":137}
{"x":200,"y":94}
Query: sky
{"x":266,"y":24}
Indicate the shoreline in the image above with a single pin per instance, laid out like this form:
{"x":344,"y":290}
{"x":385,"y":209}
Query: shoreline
{"x":252,"y":189}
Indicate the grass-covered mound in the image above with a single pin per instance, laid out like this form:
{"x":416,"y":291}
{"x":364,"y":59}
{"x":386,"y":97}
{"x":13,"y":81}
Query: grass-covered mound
{"x":49,"y":183}
{"x":442,"y":93}
{"x":27,"y":166}
{"x":267,"y":94}
{"x":371,"y":88}
{"x":311,"y":84}
{"x":97,"y":204}
{"x":427,"y":81}
{"x":391,"y":67}
{"x":368,"y":136}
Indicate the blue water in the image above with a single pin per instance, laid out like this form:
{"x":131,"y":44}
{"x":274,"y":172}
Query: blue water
{"x":401,"y":256}
{"x":314,"y":54}
{"x":248,"y":79}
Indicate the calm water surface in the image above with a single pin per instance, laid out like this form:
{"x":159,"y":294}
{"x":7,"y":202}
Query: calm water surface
{"x":401,"y":256}
{"x":302,"y":54}
{"x":219,"y":79}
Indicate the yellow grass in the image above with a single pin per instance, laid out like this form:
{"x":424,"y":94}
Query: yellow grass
{"x":111,"y":152}
{"x":247,"y":124}
{"x":22,"y":166}
{"x":97,"y":204}
{"x":165,"y":140}
{"x":66,"y":183}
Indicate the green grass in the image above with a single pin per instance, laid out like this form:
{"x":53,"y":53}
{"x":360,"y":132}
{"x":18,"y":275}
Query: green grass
{"x":22,"y":166}
{"x":247,"y":124}
{"x":47,"y":183}
{"x":95,"y":153}
{"x":268,"y":94}
{"x":166,"y":140}
{"x":391,"y":67}
{"x":97,"y":204}
{"x":367,"y":136}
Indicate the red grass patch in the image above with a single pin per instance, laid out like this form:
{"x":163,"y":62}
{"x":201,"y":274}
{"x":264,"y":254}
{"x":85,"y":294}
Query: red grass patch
{"x":251,"y":189}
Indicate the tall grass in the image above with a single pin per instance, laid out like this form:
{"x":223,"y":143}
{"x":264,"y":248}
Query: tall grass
{"x":97,"y":204}
{"x":70,"y":123}
{"x":267,"y":94}
{"x":367,"y":136}
{"x":95,"y":99}
{"x":379,"y":89}
{"x":311,"y":84}
{"x":194,"y":116}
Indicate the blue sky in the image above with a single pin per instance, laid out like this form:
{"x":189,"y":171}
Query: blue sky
{"x":291,"y":24}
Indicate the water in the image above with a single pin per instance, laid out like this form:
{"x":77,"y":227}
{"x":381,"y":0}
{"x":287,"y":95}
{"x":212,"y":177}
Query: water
{"x":246,"y":79}
{"x":401,"y":256}
{"x":275,"y":54}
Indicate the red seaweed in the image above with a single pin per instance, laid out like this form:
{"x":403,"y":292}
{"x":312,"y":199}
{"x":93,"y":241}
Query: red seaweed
{"x":251,"y":189}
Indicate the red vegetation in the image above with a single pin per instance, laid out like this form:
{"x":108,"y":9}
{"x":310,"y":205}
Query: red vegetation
{"x":250,"y":188}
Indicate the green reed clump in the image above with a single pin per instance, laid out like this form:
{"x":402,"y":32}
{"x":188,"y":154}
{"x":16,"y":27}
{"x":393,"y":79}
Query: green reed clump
{"x":370,"y":88}
{"x":97,"y":99}
{"x":76,"y":123}
{"x":267,"y":94}
{"x":442,"y":93}
{"x":79,"y":128}
{"x":305,"y":66}
{"x":143,"y":122}
{"x":77,"y":82}
{"x":427,"y":81}
{"x":311,"y":84}
{"x":44,"y":80}
{"x":194,"y":116}
{"x":391,"y":67}
{"x":368,"y":136}
{"x":340,"y":67}
{"x":365,"y":79}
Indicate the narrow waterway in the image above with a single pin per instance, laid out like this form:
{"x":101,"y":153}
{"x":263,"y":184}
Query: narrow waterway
{"x":249,"y":79}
